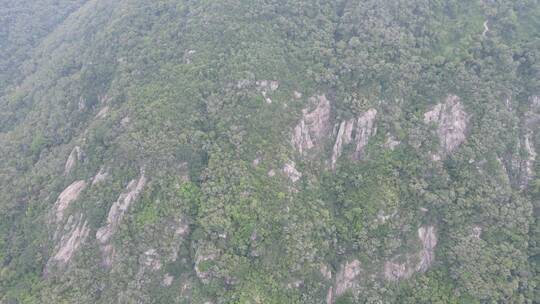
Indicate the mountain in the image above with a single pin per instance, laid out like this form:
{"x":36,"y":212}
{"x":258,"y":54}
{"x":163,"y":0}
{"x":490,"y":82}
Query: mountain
{"x":269,"y":151}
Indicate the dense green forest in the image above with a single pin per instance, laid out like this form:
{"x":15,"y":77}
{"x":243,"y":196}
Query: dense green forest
{"x":269,"y":151}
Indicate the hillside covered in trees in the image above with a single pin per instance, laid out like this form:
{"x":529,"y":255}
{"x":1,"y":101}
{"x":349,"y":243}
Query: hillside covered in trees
{"x":269,"y":151}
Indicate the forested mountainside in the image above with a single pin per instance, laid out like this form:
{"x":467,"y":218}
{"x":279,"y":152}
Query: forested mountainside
{"x":269,"y":151}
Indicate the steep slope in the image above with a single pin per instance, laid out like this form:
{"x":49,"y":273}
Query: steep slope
{"x":270,"y":152}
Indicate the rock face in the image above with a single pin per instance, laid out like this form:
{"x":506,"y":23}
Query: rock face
{"x":451,"y":121}
{"x":291,"y":172}
{"x":476,"y":232}
{"x":394,"y":271}
{"x":76,"y":154}
{"x":427,"y":254}
{"x":103,"y":112}
{"x":115,"y":216}
{"x":346,"y":278}
{"x":531,"y":123}
{"x":167,"y":280}
{"x":344,"y":137}
{"x":325,"y":271}
{"x":72,"y":241}
{"x":70,"y":194}
{"x":313,"y":127}
{"x":391,"y":142}
{"x":77,"y":232}
{"x":535,"y":101}
{"x":125,"y":121}
{"x":363,"y":128}
{"x":383,"y":217}
{"x":527,"y":165}
{"x":82,"y":104}
{"x":151,"y":259}
{"x":266,"y":86}
{"x":413,"y":263}
{"x":100,"y":176}
{"x":330,"y":295}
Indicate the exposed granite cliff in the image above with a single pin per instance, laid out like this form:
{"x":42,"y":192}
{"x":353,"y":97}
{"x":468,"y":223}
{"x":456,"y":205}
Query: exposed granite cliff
{"x":116,"y":213}
{"x":412,"y":263}
{"x":357,"y":131}
{"x":313,"y":127}
{"x":451,"y":121}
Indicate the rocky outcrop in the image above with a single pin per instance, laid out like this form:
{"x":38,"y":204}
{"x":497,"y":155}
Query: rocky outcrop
{"x":100,"y":176}
{"x":530,"y":125}
{"x":382,"y":217}
{"x":291,"y":172}
{"x":476,"y":232}
{"x":76,"y":155}
{"x":269,"y":85}
{"x":330,"y":295}
{"x":527,"y":171}
{"x":535,"y":101}
{"x":266,"y":86}
{"x":394,"y":271}
{"x":103,"y":112}
{"x":188,"y":56}
{"x":167,"y":280}
{"x":363,"y":128}
{"x":103,"y":99}
{"x":427,"y":254}
{"x":116,"y":213}
{"x":347,"y":277}
{"x":344,"y":137}
{"x":296,"y":284}
{"x":313,"y":127}
{"x":391,"y":142}
{"x":325,"y":271}
{"x":72,"y":241}
{"x":151,"y":260}
{"x":157,"y":252}
{"x":76,"y":234}
{"x":451,"y":120}
{"x":413,"y":263}
{"x":82,"y":104}
{"x":125,"y":121}
{"x":70,"y":194}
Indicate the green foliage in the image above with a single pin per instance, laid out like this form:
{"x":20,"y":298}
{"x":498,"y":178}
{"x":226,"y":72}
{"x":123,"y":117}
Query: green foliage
{"x":345,"y":299}
{"x":147,"y":216}
{"x":39,"y":142}
{"x":172,"y":88}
